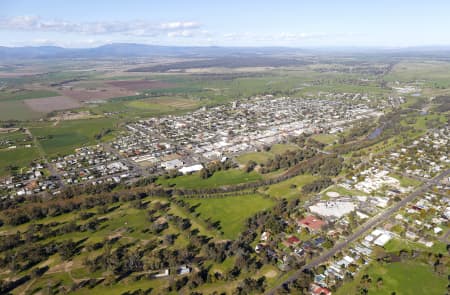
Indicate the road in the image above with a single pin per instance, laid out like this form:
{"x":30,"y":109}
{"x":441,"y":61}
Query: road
{"x":376,"y":220}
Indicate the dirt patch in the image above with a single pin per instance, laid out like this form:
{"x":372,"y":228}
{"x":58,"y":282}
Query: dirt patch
{"x":270,"y":274}
{"x":49,"y":104}
{"x":136,"y":85}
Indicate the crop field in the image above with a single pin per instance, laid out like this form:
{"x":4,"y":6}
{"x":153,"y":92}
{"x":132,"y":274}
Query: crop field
{"x":88,"y":95}
{"x":165,"y":104}
{"x":435,"y":74}
{"x":220,"y":178}
{"x":137,"y":85}
{"x":17,"y":110}
{"x":231,"y":212}
{"x":49,"y":104}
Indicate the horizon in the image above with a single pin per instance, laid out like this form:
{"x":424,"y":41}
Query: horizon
{"x":295,"y":24}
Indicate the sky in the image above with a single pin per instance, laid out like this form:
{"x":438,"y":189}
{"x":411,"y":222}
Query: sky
{"x":296,"y":23}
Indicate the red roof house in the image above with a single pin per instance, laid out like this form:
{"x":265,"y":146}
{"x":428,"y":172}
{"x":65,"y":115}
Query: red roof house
{"x":311,"y":222}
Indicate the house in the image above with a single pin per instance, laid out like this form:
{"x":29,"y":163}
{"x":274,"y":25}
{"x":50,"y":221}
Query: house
{"x":293,"y":240}
{"x":312,"y":223}
{"x":184,"y":269}
{"x":318,"y":290}
{"x":265,"y":236}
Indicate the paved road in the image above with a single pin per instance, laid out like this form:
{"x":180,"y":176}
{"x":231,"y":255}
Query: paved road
{"x":363,"y":229}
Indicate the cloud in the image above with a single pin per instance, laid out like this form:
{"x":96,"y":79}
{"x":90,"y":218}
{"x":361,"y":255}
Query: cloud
{"x":136,"y":28}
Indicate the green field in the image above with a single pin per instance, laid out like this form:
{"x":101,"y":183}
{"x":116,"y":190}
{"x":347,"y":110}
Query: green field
{"x":286,"y":188}
{"x":280,"y":148}
{"x":231,"y":212}
{"x":68,"y":135}
{"x":406,"y":278}
{"x":20,"y":157}
{"x":220,"y":178}
{"x":406,"y":181}
{"x":258,"y":157}
{"x":325,"y":138}
{"x":25,"y":94}
{"x":262,"y":157}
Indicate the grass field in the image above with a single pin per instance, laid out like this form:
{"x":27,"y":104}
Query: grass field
{"x":395,"y":245}
{"x":68,"y":135}
{"x":262,"y":157}
{"x":25,"y":94}
{"x":325,"y":138}
{"x":406,"y":181}
{"x":406,"y":278}
{"x":231,"y":212}
{"x":20,"y":157}
{"x":282,"y":148}
{"x":220,"y":178}
{"x":258,"y":157}
{"x":286,"y":188}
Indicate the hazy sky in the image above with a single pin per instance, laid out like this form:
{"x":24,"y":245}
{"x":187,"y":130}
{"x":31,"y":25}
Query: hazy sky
{"x":309,"y":23}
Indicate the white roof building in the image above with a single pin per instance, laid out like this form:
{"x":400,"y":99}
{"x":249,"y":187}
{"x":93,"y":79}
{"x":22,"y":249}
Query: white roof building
{"x":190,"y":169}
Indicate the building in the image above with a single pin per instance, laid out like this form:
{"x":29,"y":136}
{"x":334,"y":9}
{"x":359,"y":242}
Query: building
{"x":312,"y":223}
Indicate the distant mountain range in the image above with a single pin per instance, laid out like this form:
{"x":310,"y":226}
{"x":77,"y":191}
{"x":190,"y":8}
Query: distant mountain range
{"x":124,"y":50}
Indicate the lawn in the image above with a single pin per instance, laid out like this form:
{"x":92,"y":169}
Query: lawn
{"x":231,"y":212}
{"x":405,"y":278}
{"x":68,"y":135}
{"x":286,"y":188}
{"x":220,"y":178}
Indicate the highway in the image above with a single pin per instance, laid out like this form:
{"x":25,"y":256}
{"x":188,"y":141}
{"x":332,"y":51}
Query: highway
{"x":373,"y":222}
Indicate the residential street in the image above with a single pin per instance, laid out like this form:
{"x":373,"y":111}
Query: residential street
{"x":364,"y":228}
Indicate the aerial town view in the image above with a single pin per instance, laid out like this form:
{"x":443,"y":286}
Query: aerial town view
{"x":234,"y":147}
